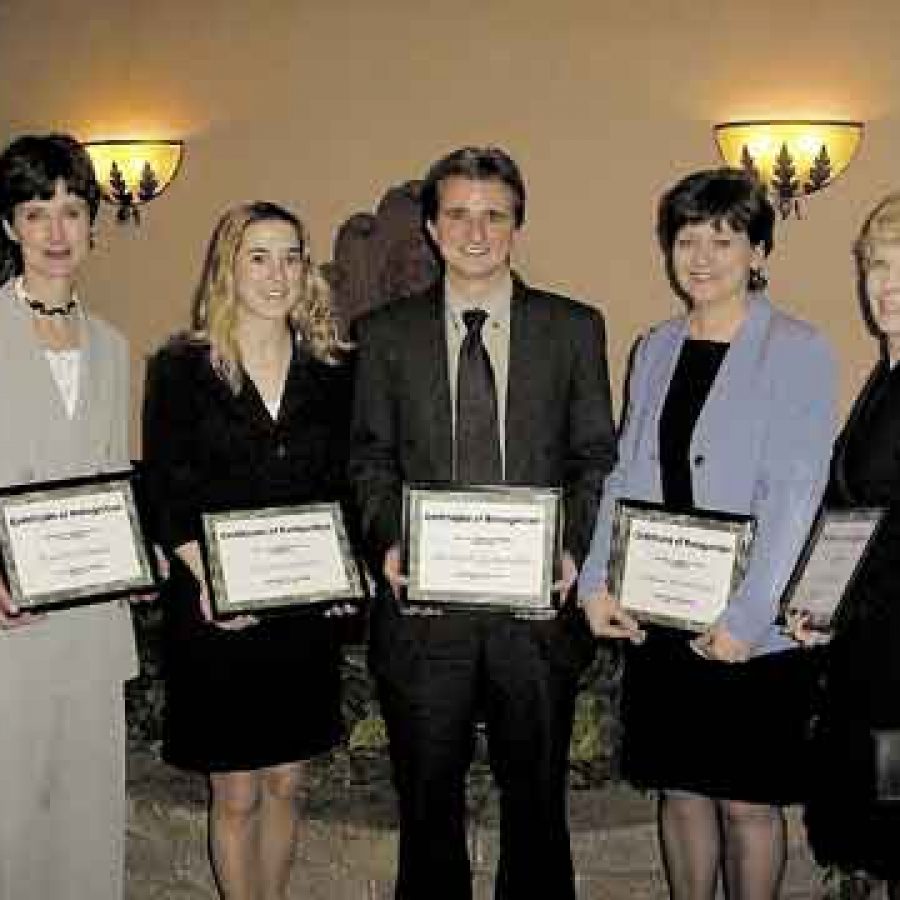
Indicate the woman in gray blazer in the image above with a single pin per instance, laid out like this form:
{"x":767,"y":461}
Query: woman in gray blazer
{"x":732,"y":409}
{"x":64,"y":396}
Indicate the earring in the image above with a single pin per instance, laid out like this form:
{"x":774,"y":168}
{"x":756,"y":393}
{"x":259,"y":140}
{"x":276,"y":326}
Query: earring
{"x":757,"y":280}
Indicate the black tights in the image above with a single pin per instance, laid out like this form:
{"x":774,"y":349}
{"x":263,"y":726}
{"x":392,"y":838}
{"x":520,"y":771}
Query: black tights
{"x":701,"y":836}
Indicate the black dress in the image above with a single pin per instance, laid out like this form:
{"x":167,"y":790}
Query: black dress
{"x":269,"y":694}
{"x":718,"y":729}
{"x":847,"y":826}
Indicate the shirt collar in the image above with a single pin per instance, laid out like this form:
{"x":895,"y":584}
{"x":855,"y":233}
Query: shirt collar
{"x":496,"y":303}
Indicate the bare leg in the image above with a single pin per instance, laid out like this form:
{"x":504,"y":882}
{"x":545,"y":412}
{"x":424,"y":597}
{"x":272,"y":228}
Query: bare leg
{"x":278,"y":827}
{"x":234,"y":833}
{"x":755,"y":838}
{"x":689,"y":837}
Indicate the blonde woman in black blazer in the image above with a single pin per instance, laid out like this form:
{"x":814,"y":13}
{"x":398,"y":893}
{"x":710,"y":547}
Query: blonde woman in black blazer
{"x":249,"y":410}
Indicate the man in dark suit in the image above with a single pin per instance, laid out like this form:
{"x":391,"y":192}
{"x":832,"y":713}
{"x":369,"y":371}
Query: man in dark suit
{"x":481,"y":379}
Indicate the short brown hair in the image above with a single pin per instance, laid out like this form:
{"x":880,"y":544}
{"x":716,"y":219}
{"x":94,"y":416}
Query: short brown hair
{"x":477,"y":164}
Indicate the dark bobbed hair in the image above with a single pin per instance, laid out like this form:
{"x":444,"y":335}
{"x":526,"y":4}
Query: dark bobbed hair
{"x":477,"y":164}
{"x":30,"y":168}
{"x":717,"y":195}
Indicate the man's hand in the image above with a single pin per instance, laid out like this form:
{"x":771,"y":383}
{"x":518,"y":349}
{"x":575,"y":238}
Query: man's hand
{"x":392,"y":569}
{"x":718,"y":644}
{"x":606,"y":618}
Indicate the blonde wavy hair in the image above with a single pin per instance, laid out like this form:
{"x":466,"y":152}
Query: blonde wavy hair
{"x":215,"y":300}
{"x":882,"y":226}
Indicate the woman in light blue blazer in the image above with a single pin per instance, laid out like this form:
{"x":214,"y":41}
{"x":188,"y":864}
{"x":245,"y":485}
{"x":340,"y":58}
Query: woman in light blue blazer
{"x":732,"y":409}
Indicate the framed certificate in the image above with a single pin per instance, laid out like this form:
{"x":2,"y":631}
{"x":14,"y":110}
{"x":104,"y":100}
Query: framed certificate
{"x":72,"y":542}
{"x":278,"y":559}
{"x":837,"y":545}
{"x":677,"y":569}
{"x":481,"y":548}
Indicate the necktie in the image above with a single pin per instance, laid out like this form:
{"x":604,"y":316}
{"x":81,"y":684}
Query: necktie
{"x":477,"y":435}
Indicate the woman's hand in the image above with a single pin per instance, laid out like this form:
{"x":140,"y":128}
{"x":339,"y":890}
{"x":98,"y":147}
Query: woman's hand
{"x":568,"y":574}
{"x":10,"y":614}
{"x":191,"y":556}
{"x":718,"y":644}
{"x":392,"y":570}
{"x":798,"y":628}
{"x":606,"y":618}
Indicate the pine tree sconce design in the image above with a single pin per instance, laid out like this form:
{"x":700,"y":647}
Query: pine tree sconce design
{"x":792,"y":158}
{"x":131,"y":173}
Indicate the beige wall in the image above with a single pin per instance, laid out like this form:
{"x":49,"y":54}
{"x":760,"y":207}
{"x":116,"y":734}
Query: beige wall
{"x":322,"y":104}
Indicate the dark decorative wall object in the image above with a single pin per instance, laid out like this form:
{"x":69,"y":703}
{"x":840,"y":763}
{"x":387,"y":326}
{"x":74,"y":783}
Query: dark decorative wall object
{"x":381,"y":255}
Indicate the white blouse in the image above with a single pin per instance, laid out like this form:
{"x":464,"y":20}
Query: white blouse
{"x":66,"y":368}
{"x":65,"y":365}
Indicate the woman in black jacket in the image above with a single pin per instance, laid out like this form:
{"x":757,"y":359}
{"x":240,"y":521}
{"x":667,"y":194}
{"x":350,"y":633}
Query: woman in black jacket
{"x":247,"y":411}
{"x":849,"y":825}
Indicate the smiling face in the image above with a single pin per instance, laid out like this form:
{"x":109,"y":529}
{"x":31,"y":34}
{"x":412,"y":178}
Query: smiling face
{"x":882,"y":274}
{"x":269,"y":270}
{"x":53,"y":237}
{"x":712,"y":262}
{"x":475,"y":230}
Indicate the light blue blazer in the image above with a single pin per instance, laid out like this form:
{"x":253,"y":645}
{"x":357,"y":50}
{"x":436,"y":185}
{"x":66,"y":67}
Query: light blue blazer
{"x":761,"y":445}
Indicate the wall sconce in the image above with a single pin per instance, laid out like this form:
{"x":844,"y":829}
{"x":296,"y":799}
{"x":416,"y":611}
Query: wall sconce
{"x":791,"y":158}
{"x":133,"y":172}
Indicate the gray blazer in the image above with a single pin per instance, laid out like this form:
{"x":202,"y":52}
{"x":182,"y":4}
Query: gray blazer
{"x":38,"y":442}
{"x":761,"y":446}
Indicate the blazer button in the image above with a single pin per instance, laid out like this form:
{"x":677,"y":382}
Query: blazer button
{"x":699,"y":459}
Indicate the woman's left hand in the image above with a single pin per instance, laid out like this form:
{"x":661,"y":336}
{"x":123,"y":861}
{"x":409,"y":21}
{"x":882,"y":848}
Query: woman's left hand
{"x":568,"y":574}
{"x":718,"y":644}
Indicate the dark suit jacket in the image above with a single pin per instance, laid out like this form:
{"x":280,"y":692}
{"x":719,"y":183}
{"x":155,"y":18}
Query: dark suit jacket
{"x":207,"y":449}
{"x":559,"y":429}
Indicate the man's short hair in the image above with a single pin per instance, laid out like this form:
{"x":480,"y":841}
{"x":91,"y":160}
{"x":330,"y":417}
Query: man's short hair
{"x":477,"y":164}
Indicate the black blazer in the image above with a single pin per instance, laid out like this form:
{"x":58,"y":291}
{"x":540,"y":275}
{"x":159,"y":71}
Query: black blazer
{"x":865,"y":471}
{"x":559,"y":429}
{"x":208,"y":449}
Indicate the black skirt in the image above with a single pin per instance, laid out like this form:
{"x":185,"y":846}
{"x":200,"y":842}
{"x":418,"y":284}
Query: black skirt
{"x":734,"y":731}
{"x":242,"y":700}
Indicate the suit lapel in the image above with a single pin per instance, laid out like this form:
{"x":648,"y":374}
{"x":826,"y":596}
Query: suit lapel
{"x":27,"y":356}
{"x":295,"y":390}
{"x":838,"y":473}
{"x":659,"y":378}
{"x":527,"y":345}
{"x":736,"y":378}
{"x":428,"y":357}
